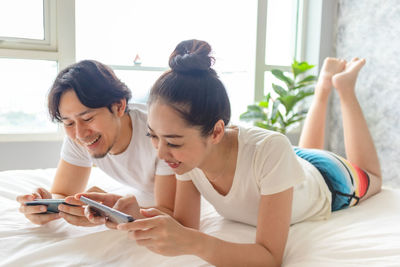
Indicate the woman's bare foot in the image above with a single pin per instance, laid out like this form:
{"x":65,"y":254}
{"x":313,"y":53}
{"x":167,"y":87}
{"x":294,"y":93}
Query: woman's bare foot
{"x":345,"y":81}
{"x":331,"y":67}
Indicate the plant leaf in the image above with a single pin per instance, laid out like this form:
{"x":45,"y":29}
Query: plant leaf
{"x":289,"y":101}
{"x":254,"y":108}
{"x":279,"y":90}
{"x":281,"y":76}
{"x":253,"y":113}
{"x":274,"y":111}
{"x":265,"y":102}
{"x":300,"y":67}
{"x":266,"y":126}
{"x":308,"y":79}
{"x":292,"y":120}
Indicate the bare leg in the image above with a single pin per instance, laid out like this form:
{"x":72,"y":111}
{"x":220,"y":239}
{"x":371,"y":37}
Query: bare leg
{"x":313,"y":132}
{"x":360,"y":148}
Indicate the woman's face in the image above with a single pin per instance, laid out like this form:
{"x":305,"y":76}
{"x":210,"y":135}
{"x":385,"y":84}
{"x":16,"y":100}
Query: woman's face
{"x":182,"y":147}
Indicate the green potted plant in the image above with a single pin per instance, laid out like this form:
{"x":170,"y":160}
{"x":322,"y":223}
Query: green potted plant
{"x":279,"y":109}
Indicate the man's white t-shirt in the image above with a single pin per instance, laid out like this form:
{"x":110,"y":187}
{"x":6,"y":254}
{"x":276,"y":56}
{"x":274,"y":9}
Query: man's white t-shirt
{"x":266,"y":164}
{"x":135,"y":167}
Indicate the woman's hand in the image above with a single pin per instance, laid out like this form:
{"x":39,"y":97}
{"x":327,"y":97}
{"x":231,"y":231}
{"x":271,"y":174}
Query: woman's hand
{"x":128,"y":205}
{"x":160,"y":233}
{"x":36,"y":214}
{"x":76,"y":215}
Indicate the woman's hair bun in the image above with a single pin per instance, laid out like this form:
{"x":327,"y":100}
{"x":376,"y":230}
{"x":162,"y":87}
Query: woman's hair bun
{"x":191,"y":56}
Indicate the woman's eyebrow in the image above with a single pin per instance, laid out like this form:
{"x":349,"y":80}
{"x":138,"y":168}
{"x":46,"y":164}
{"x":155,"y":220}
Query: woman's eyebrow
{"x":167,"y":135}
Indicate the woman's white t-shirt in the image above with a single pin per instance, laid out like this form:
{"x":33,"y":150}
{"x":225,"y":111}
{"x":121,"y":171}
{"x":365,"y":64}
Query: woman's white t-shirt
{"x":266,"y":164}
{"x":135,"y":167}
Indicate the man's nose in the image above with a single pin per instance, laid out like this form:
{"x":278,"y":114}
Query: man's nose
{"x":80,"y":130}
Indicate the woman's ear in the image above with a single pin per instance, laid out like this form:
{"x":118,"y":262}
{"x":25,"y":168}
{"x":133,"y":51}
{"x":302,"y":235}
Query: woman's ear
{"x":218,"y":132}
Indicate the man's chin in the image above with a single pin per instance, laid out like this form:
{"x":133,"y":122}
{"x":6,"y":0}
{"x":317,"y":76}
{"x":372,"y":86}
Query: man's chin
{"x":99,"y":156}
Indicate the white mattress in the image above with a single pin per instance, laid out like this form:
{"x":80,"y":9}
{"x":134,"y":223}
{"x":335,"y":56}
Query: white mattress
{"x":366,"y":235}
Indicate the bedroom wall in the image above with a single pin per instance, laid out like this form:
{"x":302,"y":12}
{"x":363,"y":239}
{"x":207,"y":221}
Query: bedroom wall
{"x":29,"y":155}
{"x":370,"y":29}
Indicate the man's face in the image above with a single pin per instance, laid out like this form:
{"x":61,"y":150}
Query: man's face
{"x":96,"y":129}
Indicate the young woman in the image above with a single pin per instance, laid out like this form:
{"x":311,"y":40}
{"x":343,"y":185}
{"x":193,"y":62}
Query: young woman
{"x":250,"y":175}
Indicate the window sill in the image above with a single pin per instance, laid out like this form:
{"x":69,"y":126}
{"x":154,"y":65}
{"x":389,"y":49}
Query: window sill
{"x":37,"y":137}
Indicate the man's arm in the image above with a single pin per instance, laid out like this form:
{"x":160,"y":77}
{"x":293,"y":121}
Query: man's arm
{"x":69,"y":179}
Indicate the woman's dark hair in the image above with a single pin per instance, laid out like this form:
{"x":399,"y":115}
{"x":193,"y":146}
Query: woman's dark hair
{"x":94,"y":83}
{"x":192,"y":87}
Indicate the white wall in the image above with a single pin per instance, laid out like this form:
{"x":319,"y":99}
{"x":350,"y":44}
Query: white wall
{"x":370,"y":29}
{"x":29,"y":155}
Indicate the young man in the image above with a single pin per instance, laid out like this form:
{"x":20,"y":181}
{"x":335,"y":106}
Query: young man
{"x":102,"y":130}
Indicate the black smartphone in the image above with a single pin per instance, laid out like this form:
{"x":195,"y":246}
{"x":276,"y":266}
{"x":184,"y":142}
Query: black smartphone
{"x":52,"y":204}
{"x":105,"y":211}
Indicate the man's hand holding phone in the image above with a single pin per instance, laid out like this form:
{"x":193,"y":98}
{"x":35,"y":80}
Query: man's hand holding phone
{"x":37,"y":214}
{"x":69,"y":209}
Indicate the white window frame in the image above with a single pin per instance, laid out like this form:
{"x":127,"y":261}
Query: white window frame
{"x":58,"y":45}
{"x":296,"y":45}
{"x":49,"y":41}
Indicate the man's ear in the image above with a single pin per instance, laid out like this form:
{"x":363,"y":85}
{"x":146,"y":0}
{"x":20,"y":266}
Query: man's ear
{"x":218,"y":132}
{"x":119,"y":107}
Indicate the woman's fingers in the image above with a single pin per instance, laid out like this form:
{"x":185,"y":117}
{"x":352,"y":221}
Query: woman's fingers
{"x":93,"y":217}
{"x":72,"y":210}
{"x":105,"y":198}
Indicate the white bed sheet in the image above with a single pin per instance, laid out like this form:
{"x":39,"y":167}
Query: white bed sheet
{"x":366,"y":235}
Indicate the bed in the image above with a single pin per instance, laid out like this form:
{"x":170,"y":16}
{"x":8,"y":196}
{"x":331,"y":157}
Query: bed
{"x":366,"y":235}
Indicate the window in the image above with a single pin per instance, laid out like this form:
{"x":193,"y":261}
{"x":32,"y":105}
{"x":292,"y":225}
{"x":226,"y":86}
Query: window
{"x":29,"y":61}
{"x":24,"y":86}
{"x":115,"y":34}
{"x":56,"y":33}
{"x":278,"y":25}
{"x":17,"y":22}
{"x":27,"y":24}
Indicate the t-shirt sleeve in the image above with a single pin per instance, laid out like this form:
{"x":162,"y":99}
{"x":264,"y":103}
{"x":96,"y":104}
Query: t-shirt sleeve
{"x":184,"y":177}
{"x":276,"y":165}
{"x":162,"y":168}
{"x":74,"y":154}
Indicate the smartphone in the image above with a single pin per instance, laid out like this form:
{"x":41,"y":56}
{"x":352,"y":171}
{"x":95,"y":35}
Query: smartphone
{"x":52,"y":204}
{"x":105,"y":211}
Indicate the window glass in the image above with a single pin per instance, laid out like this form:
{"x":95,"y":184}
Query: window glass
{"x":23,"y":90}
{"x":281,"y":18}
{"x":140,"y":82}
{"x":22,"y":19}
{"x":116,"y":33}
{"x":240,"y":91}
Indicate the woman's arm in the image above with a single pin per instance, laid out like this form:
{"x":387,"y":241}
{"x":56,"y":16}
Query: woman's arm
{"x":164,"y":192}
{"x":162,"y":234}
{"x":187,"y":204}
{"x":272,"y":231}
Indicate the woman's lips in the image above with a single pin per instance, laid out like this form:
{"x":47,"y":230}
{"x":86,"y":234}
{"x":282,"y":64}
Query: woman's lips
{"x":173,"y":165}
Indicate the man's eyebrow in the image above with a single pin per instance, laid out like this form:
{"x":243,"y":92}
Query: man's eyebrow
{"x":79,"y":114}
{"x":167,"y":135}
